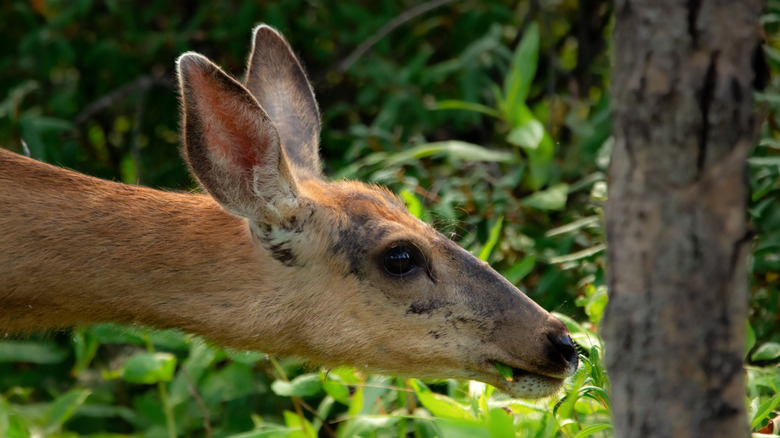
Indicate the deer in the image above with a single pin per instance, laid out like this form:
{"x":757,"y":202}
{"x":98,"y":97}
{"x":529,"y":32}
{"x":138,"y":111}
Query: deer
{"x":270,"y":256}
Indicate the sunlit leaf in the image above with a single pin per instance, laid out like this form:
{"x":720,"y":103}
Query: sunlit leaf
{"x":462,"y":428}
{"x":302,"y":386}
{"x":301,"y":427}
{"x":767,"y":351}
{"x":452,"y":149}
{"x":527,"y":136}
{"x":412,"y":203}
{"x":439,"y":405}
{"x":335,"y":387}
{"x":149,"y":368}
{"x":495,"y":230}
{"x":500,"y":423}
{"x":553,"y":198}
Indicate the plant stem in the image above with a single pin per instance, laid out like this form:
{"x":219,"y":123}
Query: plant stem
{"x":170,"y":422}
{"x":296,"y":404}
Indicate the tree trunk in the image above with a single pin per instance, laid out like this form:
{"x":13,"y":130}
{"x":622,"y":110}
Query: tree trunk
{"x":676,"y":216}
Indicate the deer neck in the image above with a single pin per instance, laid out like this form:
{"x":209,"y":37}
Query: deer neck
{"x":105,"y":251}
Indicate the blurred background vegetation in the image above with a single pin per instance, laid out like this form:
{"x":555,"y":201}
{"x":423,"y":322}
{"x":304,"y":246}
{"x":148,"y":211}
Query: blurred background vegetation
{"x":489,"y":117}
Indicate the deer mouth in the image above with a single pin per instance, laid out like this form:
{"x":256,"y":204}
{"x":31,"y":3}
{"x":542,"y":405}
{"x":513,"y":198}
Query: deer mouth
{"x":521,"y":383}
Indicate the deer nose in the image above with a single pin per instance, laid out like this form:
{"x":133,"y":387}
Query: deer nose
{"x":565,"y":346}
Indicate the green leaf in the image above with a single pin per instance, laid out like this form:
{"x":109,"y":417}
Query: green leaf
{"x":468,"y":106}
{"x":245,"y":357}
{"x":412,"y":203}
{"x":5,"y":409}
{"x":84,"y":346}
{"x":767,"y":351}
{"x":553,"y":198}
{"x":539,"y":162}
{"x":531,"y":136}
{"x":771,"y":53}
{"x":517,"y":83}
{"x":750,"y":338}
{"x":269,"y":431}
{"x":193,"y":368}
{"x":770,"y":98}
{"x":229,"y":383}
{"x":109,"y":333}
{"x":594,"y":302}
{"x":149,"y":368}
{"x":765,"y":410}
{"x":128,"y":169}
{"x":10,"y":106}
{"x":528,"y":135}
{"x":357,"y":402}
{"x":462,"y":428}
{"x":363,"y":425}
{"x":345,"y":374}
{"x":62,"y":408}
{"x":31,"y":352}
{"x":590,"y":430}
{"x":765,"y":161}
{"x":439,"y":405}
{"x":586,"y":222}
{"x":500,"y":423}
{"x":520,"y":269}
{"x":495,"y":230}
{"x":302,"y":386}
{"x":335,"y":388}
{"x":579,"y":333}
{"x":452,"y":149}
{"x":506,"y":371}
{"x":302,"y":428}
{"x":583,"y":254}
{"x":97,"y":410}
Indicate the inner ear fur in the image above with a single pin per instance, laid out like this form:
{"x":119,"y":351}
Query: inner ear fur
{"x":231,"y":144}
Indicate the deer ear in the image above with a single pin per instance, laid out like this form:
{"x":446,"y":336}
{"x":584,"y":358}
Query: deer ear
{"x":276,"y":79}
{"x":232,"y":146}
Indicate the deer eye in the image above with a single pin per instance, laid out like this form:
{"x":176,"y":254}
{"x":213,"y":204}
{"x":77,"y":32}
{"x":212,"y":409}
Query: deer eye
{"x":399,"y":261}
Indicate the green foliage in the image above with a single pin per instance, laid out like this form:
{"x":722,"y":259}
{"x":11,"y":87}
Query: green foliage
{"x":491,"y":121}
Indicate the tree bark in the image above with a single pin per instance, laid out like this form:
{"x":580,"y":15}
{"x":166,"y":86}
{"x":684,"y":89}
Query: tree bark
{"x":676,"y":216}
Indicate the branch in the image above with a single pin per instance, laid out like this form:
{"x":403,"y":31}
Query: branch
{"x":387,"y":28}
{"x":142,"y":83}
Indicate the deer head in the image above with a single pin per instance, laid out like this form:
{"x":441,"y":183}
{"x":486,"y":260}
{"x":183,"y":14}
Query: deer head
{"x":356,"y":279}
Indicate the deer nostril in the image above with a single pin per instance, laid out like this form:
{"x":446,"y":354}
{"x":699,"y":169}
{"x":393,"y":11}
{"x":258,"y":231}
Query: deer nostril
{"x":565,"y":346}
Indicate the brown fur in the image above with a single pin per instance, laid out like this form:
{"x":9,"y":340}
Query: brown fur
{"x":276,"y":259}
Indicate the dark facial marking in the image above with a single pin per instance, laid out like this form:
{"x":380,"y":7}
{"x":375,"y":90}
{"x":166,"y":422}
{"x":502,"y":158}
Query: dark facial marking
{"x":435,"y":334}
{"x":355,"y":240}
{"x":282,"y":253}
{"x":279,"y":246}
{"x":425,"y":307}
{"x":368,"y":215}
